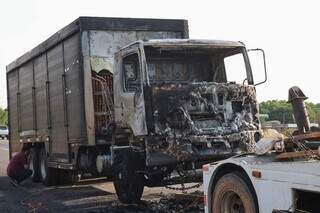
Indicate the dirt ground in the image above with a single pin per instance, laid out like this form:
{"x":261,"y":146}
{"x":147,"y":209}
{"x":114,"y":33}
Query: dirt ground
{"x":87,"y":196}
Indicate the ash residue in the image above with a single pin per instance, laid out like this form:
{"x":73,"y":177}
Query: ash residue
{"x":172,"y":203}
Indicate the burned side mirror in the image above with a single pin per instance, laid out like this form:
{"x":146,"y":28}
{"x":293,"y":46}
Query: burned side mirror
{"x":258,"y":65}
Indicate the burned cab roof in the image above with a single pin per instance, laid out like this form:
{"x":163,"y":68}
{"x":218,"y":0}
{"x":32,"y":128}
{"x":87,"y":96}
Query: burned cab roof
{"x":191,"y":43}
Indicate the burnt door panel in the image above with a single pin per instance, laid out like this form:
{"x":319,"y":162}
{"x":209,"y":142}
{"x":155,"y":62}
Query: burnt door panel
{"x":59,"y":147}
{"x":129,"y":101}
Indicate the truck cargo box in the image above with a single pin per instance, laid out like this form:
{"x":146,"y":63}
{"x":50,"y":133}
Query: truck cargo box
{"x":54,"y":90}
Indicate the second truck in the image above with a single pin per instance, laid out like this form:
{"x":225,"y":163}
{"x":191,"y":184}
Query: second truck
{"x":131,"y":99}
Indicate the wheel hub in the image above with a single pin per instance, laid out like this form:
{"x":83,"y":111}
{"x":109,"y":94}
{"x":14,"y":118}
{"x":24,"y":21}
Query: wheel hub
{"x":43,"y":169}
{"x":232,"y":203}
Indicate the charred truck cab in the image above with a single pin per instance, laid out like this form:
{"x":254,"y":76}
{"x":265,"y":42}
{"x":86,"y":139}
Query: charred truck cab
{"x":177,"y":107}
{"x":101,"y":97}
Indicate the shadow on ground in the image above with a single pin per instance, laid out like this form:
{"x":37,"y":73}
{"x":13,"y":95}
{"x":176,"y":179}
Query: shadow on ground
{"x":32,"y":197}
{"x":82,"y":197}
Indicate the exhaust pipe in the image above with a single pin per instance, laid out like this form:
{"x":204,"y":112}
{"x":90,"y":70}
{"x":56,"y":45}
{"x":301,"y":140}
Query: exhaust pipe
{"x":300,"y":113}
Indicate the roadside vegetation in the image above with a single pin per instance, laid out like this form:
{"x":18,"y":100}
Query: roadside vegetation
{"x":281,"y":110}
{"x":3,"y":116}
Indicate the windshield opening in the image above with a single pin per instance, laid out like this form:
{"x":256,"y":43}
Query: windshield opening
{"x":195,"y":65}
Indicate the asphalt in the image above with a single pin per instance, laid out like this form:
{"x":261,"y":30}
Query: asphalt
{"x":85,"y":196}
{"x":4,"y":157}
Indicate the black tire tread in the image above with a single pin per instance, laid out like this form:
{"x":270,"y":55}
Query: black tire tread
{"x":34,"y":152}
{"x":130,"y":190}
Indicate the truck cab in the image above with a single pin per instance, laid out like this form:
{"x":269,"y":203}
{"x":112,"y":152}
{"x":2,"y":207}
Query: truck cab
{"x":179,"y":103}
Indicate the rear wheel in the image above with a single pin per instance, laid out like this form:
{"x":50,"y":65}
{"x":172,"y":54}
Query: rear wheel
{"x":128,"y":184}
{"x":34,"y":164}
{"x":48,"y":175}
{"x":233,"y":195}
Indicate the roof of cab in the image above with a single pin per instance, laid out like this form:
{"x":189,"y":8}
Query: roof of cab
{"x":192,"y":43}
{"x":186,"y":43}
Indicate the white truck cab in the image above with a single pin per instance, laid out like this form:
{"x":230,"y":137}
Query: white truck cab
{"x":251,"y":183}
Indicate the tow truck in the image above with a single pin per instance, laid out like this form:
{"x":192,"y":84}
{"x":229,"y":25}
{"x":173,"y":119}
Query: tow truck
{"x":283,"y":179}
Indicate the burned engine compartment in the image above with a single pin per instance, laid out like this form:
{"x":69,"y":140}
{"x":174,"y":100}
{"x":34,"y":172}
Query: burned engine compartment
{"x":203,"y":120}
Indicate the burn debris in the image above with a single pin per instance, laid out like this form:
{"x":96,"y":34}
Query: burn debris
{"x":221,"y":116}
{"x":172,"y":203}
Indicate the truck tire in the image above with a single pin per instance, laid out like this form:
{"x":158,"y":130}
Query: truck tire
{"x":48,"y":175}
{"x":34,"y":164}
{"x":232,"y":194}
{"x":128,"y":184}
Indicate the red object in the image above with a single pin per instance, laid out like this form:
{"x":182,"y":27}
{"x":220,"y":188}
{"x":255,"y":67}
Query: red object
{"x":16,"y":164}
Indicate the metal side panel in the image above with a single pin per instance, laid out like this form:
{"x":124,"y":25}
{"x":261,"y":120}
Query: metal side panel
{"x":74,"y":91}
{"x":26,"y":97}
{"x":59,"y":146}
{"x":40,"y":79}
{"x":87,"y":84}
{"x":12,"y":77}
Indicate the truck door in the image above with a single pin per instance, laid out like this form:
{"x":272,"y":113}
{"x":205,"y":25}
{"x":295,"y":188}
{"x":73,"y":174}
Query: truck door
{"x":128,"y":88}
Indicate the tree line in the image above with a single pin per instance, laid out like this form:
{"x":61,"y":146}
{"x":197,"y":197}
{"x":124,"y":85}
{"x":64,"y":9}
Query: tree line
{"x":282,"y":111}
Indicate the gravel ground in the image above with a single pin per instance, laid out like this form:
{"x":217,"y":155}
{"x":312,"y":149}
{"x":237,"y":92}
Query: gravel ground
{"x":86,"y":196}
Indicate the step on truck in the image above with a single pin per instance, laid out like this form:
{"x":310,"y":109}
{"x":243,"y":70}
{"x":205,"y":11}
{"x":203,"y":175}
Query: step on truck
{"x":134,"y":100}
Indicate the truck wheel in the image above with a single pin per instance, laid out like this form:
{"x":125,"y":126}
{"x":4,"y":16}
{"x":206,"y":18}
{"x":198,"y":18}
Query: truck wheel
{"x":129,"y":185}
{"x":34,"y":164}
{"x":232,"y":194}
{"x":47,"y":174}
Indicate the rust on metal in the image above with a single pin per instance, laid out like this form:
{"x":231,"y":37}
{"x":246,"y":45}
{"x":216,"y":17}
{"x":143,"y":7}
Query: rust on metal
{"x":307,"y":136}
{"x":256,"y":174}
{"x":296,"y":154}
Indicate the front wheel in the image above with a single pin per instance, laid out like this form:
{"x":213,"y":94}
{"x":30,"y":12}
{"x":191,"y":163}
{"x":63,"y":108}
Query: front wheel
{"x":232,"y":194}
{"x":128,"y":184}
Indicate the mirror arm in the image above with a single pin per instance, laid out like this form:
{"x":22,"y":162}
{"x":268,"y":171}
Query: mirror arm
{"x":264,"y":64}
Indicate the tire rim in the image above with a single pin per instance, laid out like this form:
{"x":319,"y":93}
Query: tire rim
{"x":31,"y":166}
{"x":43,"y":168}
{"x":232,"y":203}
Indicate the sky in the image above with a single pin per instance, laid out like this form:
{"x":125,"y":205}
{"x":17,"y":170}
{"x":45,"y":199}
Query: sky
{"x":288,"y":31}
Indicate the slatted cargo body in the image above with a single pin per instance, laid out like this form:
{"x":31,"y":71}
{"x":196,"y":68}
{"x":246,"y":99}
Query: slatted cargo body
{"x":50,"y":90}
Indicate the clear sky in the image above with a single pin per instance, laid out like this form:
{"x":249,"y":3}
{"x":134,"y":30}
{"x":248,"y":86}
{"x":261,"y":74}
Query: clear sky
{"x":287,"y":30}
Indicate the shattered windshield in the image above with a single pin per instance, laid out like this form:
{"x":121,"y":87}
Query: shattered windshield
{"x":195,"y":65}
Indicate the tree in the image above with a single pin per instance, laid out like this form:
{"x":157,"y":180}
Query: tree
{"x":3,"y":116}
{"x":312,"y":112}
{"x":282,"y":111}
{"x":277,"y":110}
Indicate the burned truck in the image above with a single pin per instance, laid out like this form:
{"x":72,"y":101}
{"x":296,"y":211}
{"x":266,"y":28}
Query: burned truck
{"x":131,"y":99}
{"x":175,"y":109}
